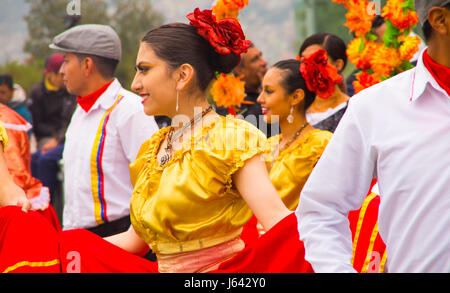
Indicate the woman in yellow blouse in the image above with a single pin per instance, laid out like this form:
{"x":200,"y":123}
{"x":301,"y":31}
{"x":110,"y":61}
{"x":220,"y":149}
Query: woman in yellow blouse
{"x":197,"y":182}
{"x":10,"y":193}
{"x":295,"y":152}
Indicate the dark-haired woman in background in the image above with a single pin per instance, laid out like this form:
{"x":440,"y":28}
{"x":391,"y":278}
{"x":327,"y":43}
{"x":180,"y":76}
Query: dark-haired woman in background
{"x":326,"y":111}
{"x":294,"y":153}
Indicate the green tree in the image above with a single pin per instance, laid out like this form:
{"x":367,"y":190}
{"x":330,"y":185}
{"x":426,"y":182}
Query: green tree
{"x":131,"y":20}
{"x":46,"y":19}
{"x":24,"y":75}
{"x":331,"y":18}
{"x":326,"y":16}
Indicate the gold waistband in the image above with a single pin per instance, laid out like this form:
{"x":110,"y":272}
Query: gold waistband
{"x":186,"y":246}
{"x":200,"y":261}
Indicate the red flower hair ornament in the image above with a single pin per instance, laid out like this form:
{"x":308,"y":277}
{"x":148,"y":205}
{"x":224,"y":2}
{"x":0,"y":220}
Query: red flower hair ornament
{"x":226,"y":35}
{"x":320,"y":76}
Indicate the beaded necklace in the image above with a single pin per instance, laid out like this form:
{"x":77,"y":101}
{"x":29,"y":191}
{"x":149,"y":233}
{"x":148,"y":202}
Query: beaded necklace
{"x":286,"y":145}
{"x":172,"y":136}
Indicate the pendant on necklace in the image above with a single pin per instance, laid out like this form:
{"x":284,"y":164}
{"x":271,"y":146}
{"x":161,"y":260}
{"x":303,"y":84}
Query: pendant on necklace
{"x":164,"y":159}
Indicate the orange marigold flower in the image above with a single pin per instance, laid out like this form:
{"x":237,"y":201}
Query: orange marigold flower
{"x":365,"y":80}
{"x":384,"y":60}
{"x":222,"y":11}
{"x":358,"y":19}
{"x":228,"y":91}
{"x":361,"y":59}
{"x":400,"y":17}
{"x":354,"y":50}
{"x":235,"y":4}
{"x":228,"y":8}
{"x":409,"y":47}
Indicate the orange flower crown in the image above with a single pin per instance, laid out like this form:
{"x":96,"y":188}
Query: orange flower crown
{"x":380,"y":61}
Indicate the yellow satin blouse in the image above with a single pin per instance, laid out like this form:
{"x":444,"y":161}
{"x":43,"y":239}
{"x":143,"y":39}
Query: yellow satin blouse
{"x":291,"y":168}
{"x":191,"y":203}
{"x":3,"y":136}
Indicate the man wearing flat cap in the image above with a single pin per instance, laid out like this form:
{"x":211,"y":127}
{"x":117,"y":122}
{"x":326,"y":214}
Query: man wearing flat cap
{"x":399,"y":132}
{"x":105,"y":133}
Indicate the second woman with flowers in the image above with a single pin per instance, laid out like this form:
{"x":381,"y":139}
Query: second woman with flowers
{"x":294,"y":153}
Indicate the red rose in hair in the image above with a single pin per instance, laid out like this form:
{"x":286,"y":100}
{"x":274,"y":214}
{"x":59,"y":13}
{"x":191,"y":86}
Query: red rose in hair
{"x":225,"y":36}
{"x":320,"y":77}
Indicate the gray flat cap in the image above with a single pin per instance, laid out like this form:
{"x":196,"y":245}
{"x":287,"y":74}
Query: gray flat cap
{"x":93,"y":39}
{"x":423,"y":6}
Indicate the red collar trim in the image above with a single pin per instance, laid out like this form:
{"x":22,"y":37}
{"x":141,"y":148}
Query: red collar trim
{"x":88,"y":101}
{"x":440,"y":73}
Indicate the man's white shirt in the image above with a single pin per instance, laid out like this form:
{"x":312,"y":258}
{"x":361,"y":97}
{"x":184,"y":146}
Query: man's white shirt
{"x":99,"y":147}
{"x":399,"y":132}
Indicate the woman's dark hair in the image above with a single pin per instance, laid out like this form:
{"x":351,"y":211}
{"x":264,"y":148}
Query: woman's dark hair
{"x":334,"y":45}
{"x":292,"y":80}
{"x":179,"y":43}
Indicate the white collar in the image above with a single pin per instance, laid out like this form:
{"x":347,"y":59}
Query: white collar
{"x":421,"y":79}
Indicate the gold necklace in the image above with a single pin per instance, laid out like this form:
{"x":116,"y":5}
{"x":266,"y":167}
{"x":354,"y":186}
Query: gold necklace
{"x":171,"y":136}
{"x":286,"y":145}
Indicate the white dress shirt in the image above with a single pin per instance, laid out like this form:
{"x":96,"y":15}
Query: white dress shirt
{"x":399,"y":132}
{"x":97,"y":153}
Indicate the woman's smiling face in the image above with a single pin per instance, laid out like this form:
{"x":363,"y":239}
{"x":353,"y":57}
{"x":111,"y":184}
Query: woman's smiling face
{"x":273,"y":98}
{"x":154,"y":83}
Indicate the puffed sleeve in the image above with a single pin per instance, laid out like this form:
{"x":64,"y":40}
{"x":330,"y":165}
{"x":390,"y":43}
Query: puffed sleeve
{"x":224,"y":149}
{"x":303,"y":160}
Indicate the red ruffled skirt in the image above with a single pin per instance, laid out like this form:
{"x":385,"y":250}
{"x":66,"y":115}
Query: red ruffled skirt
{"x":34,"y":243}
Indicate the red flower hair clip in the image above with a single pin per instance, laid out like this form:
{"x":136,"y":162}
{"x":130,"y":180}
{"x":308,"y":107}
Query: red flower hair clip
{"x":320,"y":76}
{"x":226,"y":35}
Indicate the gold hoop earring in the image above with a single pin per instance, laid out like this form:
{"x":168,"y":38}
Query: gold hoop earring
{"x":290,"y":118}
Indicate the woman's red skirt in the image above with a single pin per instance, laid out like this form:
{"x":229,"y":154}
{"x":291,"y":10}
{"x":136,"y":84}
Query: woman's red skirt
{"x":34,"y":243}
